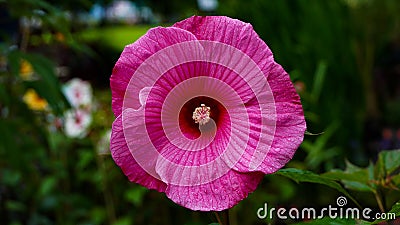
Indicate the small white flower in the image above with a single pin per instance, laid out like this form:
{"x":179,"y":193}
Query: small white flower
{"x":78,"y":92}
{"x":77,"y":122}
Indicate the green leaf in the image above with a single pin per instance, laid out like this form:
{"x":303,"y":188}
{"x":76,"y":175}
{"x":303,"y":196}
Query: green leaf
{"x":396,"y":209}
{"x":359,"y":176}
{"x":396,"y":180}
{"x":354,"y":177}
{"x":388,"y":162}
{"x":358,"y":186}
{"x":307,"y":176}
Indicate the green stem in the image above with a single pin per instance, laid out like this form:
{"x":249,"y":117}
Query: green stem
{"x":379,"y":200}
{"x":218,"y":218}
{"x":225,"y":217}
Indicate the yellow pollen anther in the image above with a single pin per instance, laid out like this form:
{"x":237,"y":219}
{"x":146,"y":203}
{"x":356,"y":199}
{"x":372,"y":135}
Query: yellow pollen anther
{"x":201,"y":115}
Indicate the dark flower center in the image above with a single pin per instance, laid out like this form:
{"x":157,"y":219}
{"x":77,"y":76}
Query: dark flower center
{"x":189,"y":125}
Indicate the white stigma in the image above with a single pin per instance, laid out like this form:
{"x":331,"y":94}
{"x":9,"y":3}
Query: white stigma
{"x":201,"y":115}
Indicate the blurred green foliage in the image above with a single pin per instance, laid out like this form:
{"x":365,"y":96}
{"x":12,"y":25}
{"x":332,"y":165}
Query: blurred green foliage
{"x":108,"y":37}
{"x":332,"y":48}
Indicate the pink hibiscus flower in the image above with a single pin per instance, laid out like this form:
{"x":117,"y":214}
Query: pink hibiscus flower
{"x":203,"y":112}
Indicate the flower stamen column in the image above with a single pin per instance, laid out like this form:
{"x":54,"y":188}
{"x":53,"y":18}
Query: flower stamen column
{"x":201,"y":115}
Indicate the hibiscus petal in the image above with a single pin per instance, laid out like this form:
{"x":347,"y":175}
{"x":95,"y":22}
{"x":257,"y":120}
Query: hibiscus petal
{"x":290,"y":125}
{"x":217,"y":195}
{"x":133,"y":57}
{"x":155,"y":67}
{"x":232,"y":32}
{"x":124,"y":159}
